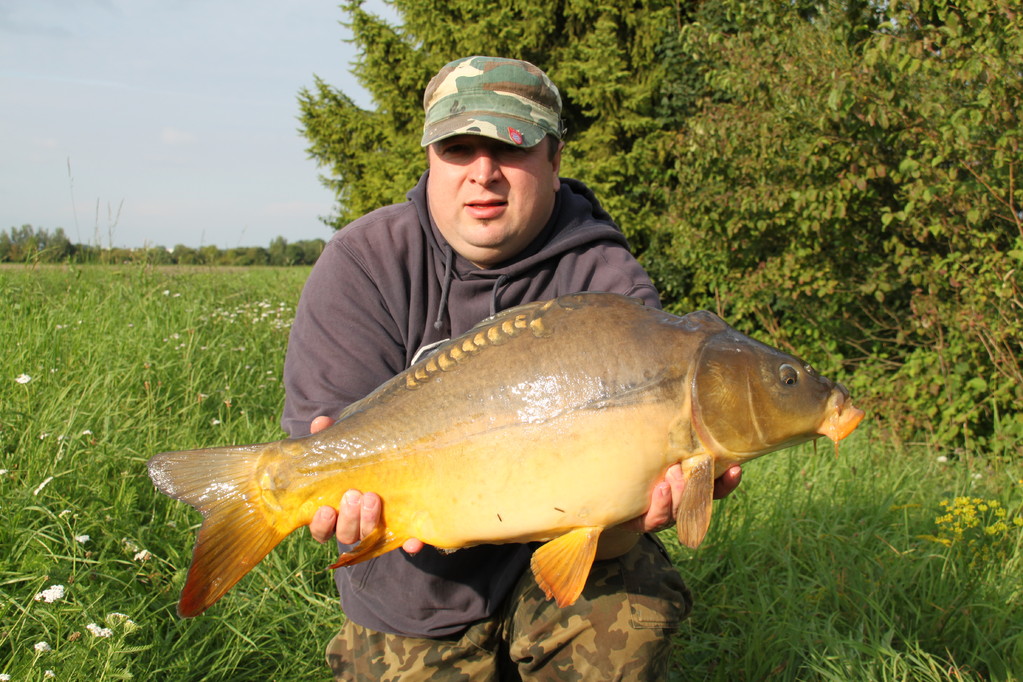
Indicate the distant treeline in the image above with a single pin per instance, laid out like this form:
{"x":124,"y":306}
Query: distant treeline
{"x":28,"y":244}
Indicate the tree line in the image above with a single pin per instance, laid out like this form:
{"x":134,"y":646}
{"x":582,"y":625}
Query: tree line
{"x":839,"y":178}
{"x":28,"y":244}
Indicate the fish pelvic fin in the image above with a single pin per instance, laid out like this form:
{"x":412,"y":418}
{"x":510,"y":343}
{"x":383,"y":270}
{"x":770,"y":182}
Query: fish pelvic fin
{"x":379,"y":541}
{"x":694,"y":510}
{"x":562,"y":565}
{"x":237,"y":531}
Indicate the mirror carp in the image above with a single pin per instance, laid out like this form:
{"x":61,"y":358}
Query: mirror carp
{"x":548,"y":422}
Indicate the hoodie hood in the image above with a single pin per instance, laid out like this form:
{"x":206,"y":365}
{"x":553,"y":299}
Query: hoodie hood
{"x":577,"y":219}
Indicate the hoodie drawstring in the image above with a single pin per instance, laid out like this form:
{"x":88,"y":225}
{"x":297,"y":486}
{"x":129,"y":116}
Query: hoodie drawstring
{"x":442,"y":309}
{"x":493,"y":296}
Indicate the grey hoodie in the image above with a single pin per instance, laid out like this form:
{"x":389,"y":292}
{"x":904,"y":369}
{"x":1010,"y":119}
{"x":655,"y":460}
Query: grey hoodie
{"x":389,"y":284}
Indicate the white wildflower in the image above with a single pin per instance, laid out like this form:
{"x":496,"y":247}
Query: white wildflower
{"x":82,"y":539}
{"x":42,"y":485}
{"x":48,"y":674}
{"x":23,"y":379}
{"x":4,"y":677}
{"x":43,"y":435}
{"x":97,"y":631}
{"x":42,"y":647}
{"x":942,"y":459}
{"x":87,"y":432}
{"x":166,"y":292}
{"x":117,"y":617}
{"x":142,"y":555}
{"x":214,"y":422}
{"x":3,"y":472}
{"x":51,"y":594}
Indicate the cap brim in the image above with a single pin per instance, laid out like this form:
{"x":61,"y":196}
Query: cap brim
{"x":513,"y":131}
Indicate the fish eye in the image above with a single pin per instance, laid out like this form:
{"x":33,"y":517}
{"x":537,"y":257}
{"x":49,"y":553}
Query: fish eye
{"x":788,"y":375}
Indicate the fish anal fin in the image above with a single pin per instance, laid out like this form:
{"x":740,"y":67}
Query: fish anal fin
{"x":562,"y":565}
{"x":693,"y":516}
{"x":378,"y":542}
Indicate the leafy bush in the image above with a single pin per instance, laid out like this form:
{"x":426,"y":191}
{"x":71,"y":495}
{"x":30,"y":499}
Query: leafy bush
{"x":849,"y":184}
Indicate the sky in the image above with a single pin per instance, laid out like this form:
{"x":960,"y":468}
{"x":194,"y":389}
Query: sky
{"x":133,"y":123}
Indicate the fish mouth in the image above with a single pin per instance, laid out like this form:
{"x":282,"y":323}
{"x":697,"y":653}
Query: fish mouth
{"x":842,"y":419}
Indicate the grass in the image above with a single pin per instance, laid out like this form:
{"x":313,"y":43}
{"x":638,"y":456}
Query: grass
{"x":875,"y":565}
{"x":831,"y":568}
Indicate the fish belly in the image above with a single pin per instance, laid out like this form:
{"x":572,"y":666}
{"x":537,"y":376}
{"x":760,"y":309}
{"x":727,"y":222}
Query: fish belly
{"x":528,"y":482}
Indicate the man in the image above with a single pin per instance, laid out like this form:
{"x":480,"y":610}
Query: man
{"x":490,"y":225}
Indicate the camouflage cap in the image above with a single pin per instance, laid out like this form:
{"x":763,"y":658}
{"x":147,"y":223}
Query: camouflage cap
{"x":506,"y":99}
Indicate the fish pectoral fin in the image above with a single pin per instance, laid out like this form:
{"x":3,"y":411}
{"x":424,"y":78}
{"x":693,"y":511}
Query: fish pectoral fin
{"x":378,"y":542}
{"x":693,"y":516}
{"x":562,"y":565}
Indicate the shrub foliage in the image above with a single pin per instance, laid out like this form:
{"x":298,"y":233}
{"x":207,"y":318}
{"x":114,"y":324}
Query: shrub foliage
{"x":850,"y":183}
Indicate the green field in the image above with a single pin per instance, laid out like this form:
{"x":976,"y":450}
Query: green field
{"x":877,"y":564}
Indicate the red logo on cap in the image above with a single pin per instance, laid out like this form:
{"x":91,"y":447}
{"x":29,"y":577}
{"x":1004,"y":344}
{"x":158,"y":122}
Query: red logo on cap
{"x":515,"y":135}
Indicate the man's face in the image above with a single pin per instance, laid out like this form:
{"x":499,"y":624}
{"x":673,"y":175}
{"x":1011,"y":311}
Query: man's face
{"x":490,"y":199}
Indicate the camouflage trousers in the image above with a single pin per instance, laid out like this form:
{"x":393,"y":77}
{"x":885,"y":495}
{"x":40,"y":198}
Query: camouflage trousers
{"x":619,"y":629}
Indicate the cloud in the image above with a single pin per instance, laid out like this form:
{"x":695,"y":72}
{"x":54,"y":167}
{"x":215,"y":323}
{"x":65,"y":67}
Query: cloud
{"x":173,"y":137}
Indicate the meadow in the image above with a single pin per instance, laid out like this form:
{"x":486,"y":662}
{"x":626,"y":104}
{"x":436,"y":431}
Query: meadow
{"x":880,"y":563}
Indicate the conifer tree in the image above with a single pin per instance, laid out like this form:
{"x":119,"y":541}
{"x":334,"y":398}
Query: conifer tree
{"x":607,"y":59}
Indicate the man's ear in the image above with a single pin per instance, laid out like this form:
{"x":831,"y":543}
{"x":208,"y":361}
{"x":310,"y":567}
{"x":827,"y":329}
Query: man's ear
{"x":556,"y":163}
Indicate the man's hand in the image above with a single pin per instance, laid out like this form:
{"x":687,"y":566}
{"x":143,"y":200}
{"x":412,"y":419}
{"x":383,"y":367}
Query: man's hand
{"x":356,"y":516}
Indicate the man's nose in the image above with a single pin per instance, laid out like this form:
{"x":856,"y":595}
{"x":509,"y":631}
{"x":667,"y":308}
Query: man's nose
{"x":485,"y":168}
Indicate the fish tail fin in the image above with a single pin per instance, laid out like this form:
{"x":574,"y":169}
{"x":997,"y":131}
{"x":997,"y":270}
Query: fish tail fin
{"x":238,"y":529}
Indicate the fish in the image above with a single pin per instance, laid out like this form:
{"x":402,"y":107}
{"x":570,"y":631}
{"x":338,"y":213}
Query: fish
{"x":549,"y":422}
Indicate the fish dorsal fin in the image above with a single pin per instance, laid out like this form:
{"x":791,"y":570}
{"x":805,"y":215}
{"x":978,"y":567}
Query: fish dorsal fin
{"x":536,"y":310}
{"x":693,"y":517}
{"x":499,"y":329}
{"x":562,"y":565}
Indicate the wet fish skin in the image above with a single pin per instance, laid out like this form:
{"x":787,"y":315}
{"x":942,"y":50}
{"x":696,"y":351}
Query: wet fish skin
{"x":549,"y":422}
